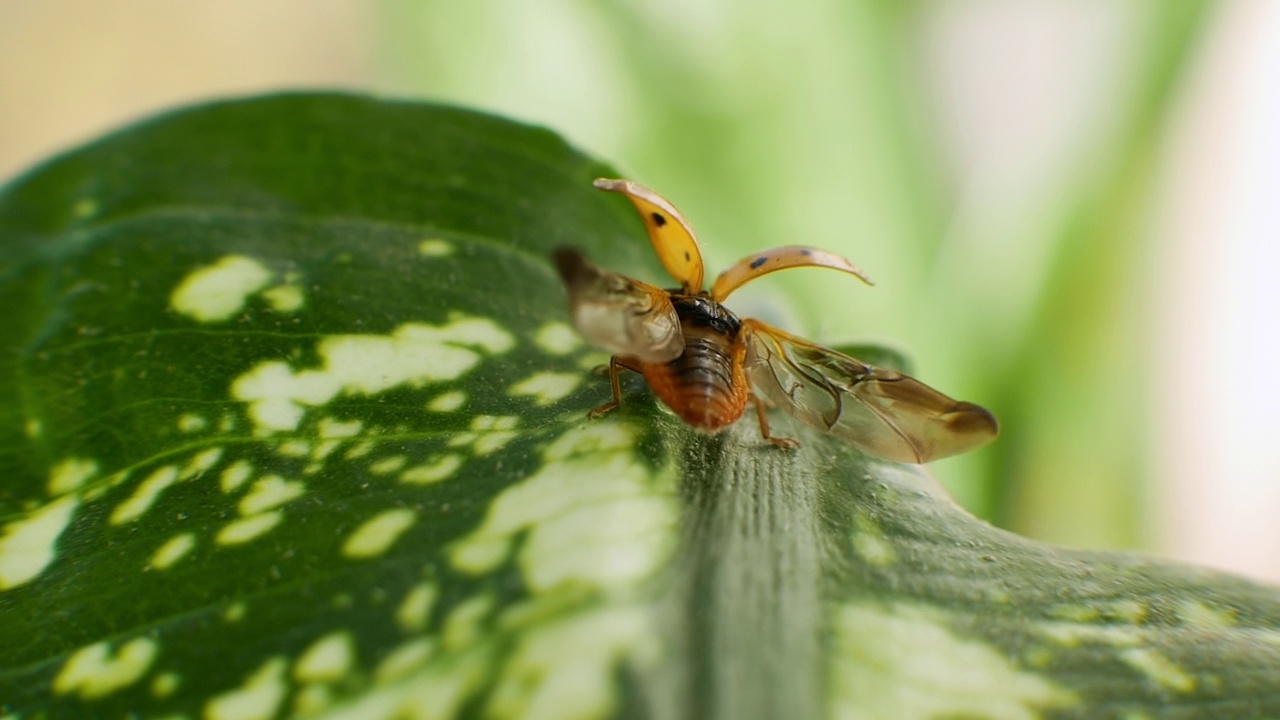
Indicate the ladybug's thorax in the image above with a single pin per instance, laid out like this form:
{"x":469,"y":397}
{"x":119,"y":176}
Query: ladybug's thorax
{"x":705,"y":385}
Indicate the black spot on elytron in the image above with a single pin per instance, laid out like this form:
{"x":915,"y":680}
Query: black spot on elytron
{"x":805,"y":252}
{"x":758,"y":262}
{"x":687,"y":256}
{"x":658,"y":219}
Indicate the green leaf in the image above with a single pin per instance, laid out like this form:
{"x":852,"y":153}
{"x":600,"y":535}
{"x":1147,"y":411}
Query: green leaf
{"x":291,"y":423}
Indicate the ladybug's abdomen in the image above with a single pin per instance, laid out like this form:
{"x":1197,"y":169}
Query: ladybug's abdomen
{"x":705,"y":386}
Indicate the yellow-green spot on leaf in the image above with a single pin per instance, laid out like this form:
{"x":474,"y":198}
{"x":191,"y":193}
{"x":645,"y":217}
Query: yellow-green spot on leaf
{"x":243,"y":530}
{"x":94,"y":671}
{"x":294,"y":448}
{"x":85,"y":208}
{"x":312,"y":699}
{"x":414,"y":611}
{"x":325,"y":660}
{"x":557,"y":338}
{"x":257,"y":699}
{"x":493,"y":432}
{"x":568,"y":668}
{"x":547,"y":387}
{"x":1199,"y":616}
{"x":1126,"y":610}
{"x":190,"y":423}
{"x":270,"y":492}
{"x":462,"y":439}
{"x":593,"y":513}
{"x":235,"y":475}
{"x":884,"y":663}
{"x":433,"y":247}
{"x":1159,"y":669}
{"x":432,"y":472}
{"x":27,"y":545}
{"x":165,"y":684}
{"x":360,"y":365}
{"x":402,"y":661}
{"x":592,"y":360}
{"x":1038,"y":657}
{"x":337,"y":429}
{"x":869,"y":542}
{"x":234,"y":612}
{"x":448,"y":401}
{"x":359,"y":450}
{"x":1072,"y":634}
{"x":145,"y":495}
{"x":285,"y":299}
{"x":377,"y":534}
{"x":462,"y":625}
{"x":70,"y":474}
{"x":216,"y":292}
{"x":34,"y":428}
{"x":173,"y":550}
{"x":388,"y":465}
{"x":324,"y":448}
{"x":202,"y":462}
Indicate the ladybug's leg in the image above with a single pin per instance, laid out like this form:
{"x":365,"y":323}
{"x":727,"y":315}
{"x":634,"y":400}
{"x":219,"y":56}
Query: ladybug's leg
{"x":615,"y":366}
{"x":764,"y":427}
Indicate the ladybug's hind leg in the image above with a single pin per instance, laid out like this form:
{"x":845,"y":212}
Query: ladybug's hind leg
{"x":764,"y":427}
{"x":616,"y":366}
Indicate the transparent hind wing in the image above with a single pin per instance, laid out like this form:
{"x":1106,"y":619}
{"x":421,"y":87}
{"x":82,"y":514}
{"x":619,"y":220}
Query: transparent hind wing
{"x":622,"y":316}
{"x":882,"y":412}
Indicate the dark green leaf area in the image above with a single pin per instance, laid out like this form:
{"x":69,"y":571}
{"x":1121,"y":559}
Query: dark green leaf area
{"x":291,"y":419}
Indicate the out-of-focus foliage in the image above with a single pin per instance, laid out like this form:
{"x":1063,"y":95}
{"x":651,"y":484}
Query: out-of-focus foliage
{"x":773,"y":123}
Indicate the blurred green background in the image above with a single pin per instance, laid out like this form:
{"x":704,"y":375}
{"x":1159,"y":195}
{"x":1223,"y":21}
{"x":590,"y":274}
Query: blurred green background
{"x":1069,"y":206}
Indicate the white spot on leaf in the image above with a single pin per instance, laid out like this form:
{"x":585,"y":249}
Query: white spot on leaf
{"x":200,"y":463}
{"x":235,"y":475}
{"x":905,"y":663}
{"x":432,"y":472}
{"x":285,"y":299}
{"x":593,"y":514}
{"x":547,"y":387}
{"x":404,"y":660}
{"x":413,"y":355}
{"x":567,"y":669}
{"x":415,"y":610}
{"x":388,"y":465}
{"x":257,"y":699}
{"x":164,"y":684}
{"x":1159,"y":669}
{"x":270,"y":492}
{"x":557,"y":338}
{"x":325,"y":660}
{"x":174,"y":549}
{"x":331,"y":428}
{"x":378,"y":534}
{"x":462,"y":625}
{"x":435,"y":248}
{"x":70,"y":474}
{"x":27,"y":545}
{"x":145,"y":495}
{"x":246,"y":529}
{"x":94,"y":672}
{"x":190,"y":422}
{"x":448,"y":401}
{"x":216,"y":292}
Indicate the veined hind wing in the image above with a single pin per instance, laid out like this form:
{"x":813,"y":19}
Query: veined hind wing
{"x":882,"y":412}
{"x":615,"y":313}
